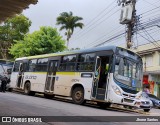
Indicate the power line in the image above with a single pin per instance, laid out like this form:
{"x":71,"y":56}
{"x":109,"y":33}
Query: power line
{"x":150,"y":10}
{"x":80,"y":36}
{"x":96,"y":17}
{"x":148,"y":40}
{"x":102,"y":37}
{"x":150,"y":3}
{"x":110,"y":39}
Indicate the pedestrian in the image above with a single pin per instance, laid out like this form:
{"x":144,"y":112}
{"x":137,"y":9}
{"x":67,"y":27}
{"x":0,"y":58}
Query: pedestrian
{"x":4,"y":82}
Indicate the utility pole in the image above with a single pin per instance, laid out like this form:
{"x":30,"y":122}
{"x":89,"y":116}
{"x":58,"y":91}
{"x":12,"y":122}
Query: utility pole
{"x":128,"y":17}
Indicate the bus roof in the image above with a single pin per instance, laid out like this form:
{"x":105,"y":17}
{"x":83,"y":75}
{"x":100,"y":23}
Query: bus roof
{"x":71,"y":52}
{"x":90,"y":50}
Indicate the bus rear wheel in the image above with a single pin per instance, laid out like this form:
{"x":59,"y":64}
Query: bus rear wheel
{"x":78,"y":95}
{"x":27,"y":89}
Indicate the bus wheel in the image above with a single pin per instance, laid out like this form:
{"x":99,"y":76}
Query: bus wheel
{"x":27,"y":89}
{"x":78,"y":95}
{"x":48,"y":96}
{"x":103,"y":105}
{"x":146,"y":110}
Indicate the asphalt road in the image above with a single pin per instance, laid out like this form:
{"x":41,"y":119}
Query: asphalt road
{"x":16,"y":104}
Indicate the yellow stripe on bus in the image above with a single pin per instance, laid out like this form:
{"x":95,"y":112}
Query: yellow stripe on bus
{"x":58,"y":73}
{"x":37,"y":72}
{"x":68,"y":73}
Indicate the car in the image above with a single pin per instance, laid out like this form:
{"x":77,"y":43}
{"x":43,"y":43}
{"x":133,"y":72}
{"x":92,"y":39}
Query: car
{"x":5,"y":71}
{"x":155,"y":100}
{"x":146,"y":104}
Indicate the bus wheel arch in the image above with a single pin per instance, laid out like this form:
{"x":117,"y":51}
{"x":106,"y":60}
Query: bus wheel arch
{"x":27,"y":88}
{"x":77,"y":94}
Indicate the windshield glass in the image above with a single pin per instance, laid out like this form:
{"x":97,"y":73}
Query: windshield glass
{"x":128,"y":72}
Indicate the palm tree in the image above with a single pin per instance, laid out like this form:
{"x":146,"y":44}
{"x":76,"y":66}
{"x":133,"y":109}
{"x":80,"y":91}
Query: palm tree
{"x":69,"y":22}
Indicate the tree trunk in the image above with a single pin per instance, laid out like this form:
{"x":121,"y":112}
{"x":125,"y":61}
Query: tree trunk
{"x":4,"y":45}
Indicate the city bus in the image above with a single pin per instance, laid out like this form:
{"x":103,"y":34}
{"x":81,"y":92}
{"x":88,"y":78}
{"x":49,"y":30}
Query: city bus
{"x":106,"y":75}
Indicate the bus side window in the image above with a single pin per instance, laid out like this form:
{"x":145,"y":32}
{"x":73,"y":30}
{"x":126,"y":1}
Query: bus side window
{"x":42,"y":65}
{"x":16,"y":66}
{"x":68,"y":63}
{"x":32,"y":65}
{"x":86,"y":62}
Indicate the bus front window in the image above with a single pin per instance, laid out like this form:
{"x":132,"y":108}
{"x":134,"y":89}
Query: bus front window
{"x":128,"y":72}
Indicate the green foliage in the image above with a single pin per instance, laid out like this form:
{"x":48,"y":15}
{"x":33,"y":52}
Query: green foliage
{"x":46,"y":40}
{"x":12,"y":29}
{"x":69,"y":22}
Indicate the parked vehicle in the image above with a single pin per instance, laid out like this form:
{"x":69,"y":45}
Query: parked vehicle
{"x":155,"y":100}
{"x":5,"y":72}
{"x":146,"y":102}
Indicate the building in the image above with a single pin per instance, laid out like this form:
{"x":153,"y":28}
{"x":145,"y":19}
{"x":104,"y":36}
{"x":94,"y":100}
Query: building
{"x":9,"y":8}
{"x":150,"y":54}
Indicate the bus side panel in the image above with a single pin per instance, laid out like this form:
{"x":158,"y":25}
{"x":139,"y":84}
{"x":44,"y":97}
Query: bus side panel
{"x":65,"y":81}
{"x":37,"y":80}
{"x":87,"y":83}
{"x":13,"y":82}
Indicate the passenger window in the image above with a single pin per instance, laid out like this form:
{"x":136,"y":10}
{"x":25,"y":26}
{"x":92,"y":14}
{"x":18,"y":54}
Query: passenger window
{"x":32,"y":65}
{"x":16,"y":66}
{"x":42,"y":65}
{"x":68,"y":63}
{"x":86,"y":62}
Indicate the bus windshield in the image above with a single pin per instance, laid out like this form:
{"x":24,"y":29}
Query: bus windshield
{"x":128,"y":72}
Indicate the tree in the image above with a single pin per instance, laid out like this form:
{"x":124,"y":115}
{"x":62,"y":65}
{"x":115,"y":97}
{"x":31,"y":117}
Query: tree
{"x":69,"y":22}
{"x":46,"y":40}
{"x":12,"y":29}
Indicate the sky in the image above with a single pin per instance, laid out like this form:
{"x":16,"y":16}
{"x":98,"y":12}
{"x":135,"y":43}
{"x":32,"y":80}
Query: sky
{"x":100,"y":18}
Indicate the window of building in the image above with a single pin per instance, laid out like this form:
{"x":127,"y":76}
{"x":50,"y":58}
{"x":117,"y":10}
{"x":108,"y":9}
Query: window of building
{"x":68,"y":63}
{"x":86,"y":62}
{"x":149,"y":60}
{"x":42,"y":65}
{"x":32,"y":65}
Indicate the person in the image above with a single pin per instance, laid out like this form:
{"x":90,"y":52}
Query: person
{"x":4,"y":82}
{"x":146,"y":89}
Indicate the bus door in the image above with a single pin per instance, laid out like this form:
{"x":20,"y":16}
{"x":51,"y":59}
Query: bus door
{"x":20,"y":75}
{"x":100,"y":77}
{"x":51,"y":76}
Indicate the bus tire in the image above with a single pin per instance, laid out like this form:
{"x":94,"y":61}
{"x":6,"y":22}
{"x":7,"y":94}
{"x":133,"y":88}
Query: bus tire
{"x":27,"y":89}
{"x":103,"y":105}
{"x":78,"y":95}
{"x":146,"y":110}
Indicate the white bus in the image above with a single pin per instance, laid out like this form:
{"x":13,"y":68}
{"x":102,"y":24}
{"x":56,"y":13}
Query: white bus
{"x":105,"y":75}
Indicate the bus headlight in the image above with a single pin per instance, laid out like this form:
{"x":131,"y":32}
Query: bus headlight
{"x":116,"y":90}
